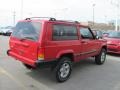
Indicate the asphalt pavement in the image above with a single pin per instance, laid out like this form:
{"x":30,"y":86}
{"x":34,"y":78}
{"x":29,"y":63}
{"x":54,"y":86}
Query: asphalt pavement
{"x":86,"y":75}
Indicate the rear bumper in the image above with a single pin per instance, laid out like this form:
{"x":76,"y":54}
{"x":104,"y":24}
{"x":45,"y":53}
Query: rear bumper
{"x":44,"y":63}
{"x":36,"y":63}
{"x":21,"y":58}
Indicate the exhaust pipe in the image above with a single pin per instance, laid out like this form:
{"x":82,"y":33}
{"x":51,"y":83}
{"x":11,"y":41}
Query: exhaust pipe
{"x":8,"y":52}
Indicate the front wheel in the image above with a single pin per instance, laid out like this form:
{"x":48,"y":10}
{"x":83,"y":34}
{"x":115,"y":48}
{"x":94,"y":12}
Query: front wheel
{"x":100,"y":59}
{"x":63,"y":69}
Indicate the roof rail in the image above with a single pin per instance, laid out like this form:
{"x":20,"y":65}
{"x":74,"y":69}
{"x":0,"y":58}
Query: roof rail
{"x":52,"y":19}
{"x":27,"y":19}
{"x":49,"y":18}
{"x":68,"y":21}
{"x":77,"y":22}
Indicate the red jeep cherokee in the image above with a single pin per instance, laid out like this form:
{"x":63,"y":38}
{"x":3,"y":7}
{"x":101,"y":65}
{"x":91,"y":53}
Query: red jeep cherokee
{"x":37,"y":42}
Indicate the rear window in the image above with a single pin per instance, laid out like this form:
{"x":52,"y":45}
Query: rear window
{"x":27,"y":30}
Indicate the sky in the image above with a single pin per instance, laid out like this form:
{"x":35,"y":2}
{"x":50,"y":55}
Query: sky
{"x":79,"y":10}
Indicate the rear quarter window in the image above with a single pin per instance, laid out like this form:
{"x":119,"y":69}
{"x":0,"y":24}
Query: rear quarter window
{"x":62,"y":32}
{"x":28,"y":30}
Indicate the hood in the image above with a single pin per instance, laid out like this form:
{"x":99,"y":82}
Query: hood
{"x":113,"y":41}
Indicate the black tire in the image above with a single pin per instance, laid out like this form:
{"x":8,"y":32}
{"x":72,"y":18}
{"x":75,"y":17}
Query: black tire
{"x":101,"y":57}
{"x":63,"y":69}
{"x":28,"y":66}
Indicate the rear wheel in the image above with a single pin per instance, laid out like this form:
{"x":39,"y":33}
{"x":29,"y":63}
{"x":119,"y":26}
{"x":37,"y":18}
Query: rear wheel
{"x":63,"y":69}
{"x":100,"y":59}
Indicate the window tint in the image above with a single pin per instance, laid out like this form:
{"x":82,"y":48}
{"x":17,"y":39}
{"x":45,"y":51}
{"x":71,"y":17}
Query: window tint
{"x":114,"y":34}
{"x":61,"y":32}
{"x":27,"y":30}
{"x":85,"y":33}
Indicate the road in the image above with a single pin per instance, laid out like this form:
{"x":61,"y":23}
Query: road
{"x":86,"y":75}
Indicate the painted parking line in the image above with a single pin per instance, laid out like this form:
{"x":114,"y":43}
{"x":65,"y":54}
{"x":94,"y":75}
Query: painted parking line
{"x":3,"y":71}
{"x":42,"y":86}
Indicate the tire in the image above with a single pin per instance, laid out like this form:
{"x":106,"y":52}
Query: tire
{"x":63,"y":69}
{"x":28,"y":66}
{"x":100,"y":59}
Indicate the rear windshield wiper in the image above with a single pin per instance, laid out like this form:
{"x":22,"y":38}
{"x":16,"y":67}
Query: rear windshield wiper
{"x":24,"y":38}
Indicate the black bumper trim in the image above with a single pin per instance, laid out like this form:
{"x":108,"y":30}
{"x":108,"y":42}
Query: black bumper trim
{"x":40,"y":63}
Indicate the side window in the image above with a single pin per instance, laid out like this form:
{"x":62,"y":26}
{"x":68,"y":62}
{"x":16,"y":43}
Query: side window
{"x":85,"y":33}
{"x":62,"y":32}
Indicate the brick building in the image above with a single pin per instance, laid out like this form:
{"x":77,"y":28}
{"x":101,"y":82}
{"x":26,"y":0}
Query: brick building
{"x":101,"y":26}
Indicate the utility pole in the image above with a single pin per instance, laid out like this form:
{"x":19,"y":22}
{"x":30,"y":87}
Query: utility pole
{"x":21,"y":9}
{"x":14,"y":16}
{"x":116,"y":3}
{"x":93,"y":13}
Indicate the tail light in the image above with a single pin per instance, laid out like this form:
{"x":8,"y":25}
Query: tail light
{"x":41,"y":53}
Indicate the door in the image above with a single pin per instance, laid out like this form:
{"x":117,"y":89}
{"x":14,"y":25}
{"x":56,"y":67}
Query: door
{"x":88,"y":42}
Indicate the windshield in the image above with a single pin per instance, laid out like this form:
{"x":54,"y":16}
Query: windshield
{"x":27,"y":30}
{"x":114,"y":35}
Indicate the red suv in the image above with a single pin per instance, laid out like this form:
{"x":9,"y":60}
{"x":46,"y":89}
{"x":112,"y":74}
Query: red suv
{"x":37,"y":42}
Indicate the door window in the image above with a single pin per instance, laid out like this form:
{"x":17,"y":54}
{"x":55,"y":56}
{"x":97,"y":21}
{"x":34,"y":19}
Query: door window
{"x":86,"y":33}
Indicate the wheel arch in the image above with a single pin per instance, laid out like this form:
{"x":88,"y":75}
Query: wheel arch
{"x":104,"y":47}
{"x":67,"y":53}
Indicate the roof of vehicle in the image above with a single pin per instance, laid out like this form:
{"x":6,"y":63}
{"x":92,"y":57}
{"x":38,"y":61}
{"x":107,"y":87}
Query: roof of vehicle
{"x":49,"y":19}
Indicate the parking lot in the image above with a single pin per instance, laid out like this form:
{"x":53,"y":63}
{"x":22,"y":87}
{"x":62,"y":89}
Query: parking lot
{"x":86,"y":74}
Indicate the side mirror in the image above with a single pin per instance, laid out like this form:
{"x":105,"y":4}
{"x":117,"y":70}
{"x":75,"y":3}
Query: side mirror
{"x":97,"y":37}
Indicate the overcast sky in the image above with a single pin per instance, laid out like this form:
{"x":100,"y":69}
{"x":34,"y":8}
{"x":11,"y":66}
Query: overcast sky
{"x":81,"y":10}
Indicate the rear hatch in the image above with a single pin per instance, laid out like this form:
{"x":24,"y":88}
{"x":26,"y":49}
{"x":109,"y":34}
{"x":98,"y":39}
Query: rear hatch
{"x":24,"y":41}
